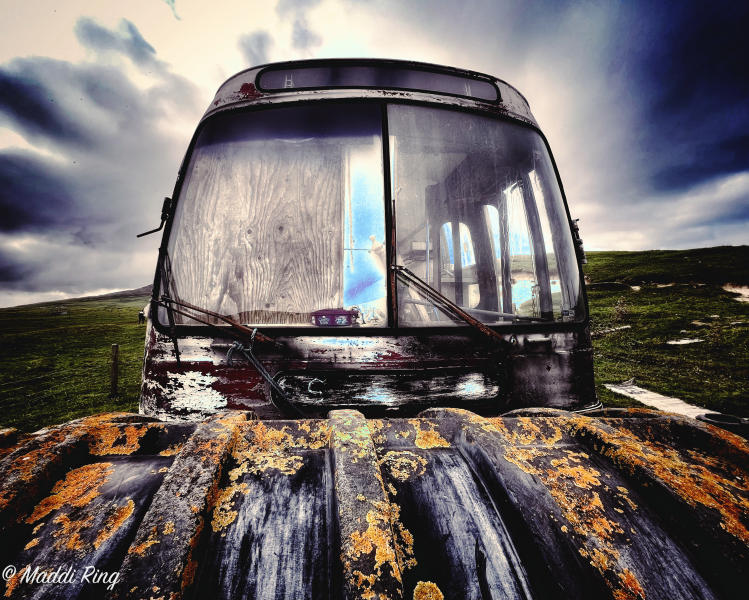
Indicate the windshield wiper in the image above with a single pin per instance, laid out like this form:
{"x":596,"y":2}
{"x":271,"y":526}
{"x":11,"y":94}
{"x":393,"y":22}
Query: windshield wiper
{"x":449,"y":306}
{"x":244,"y":343}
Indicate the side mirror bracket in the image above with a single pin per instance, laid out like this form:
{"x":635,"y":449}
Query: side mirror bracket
{"x":165,"y":208}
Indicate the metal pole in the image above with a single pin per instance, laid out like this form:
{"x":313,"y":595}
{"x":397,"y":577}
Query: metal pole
{"x":114,"y":371}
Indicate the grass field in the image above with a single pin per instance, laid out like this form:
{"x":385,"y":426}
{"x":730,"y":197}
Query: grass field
{"x":713,"y":373}
{"x":55,"y":360}
{"x":55,"y":356}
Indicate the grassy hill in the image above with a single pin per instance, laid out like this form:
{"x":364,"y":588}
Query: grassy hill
{"x":55,"y":356}
{"x":635,"y":289}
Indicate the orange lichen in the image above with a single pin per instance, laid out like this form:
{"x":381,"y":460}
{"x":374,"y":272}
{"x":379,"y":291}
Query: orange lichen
{"x":576,"y":488}
{"x":191,"y":566}
{"x":403,"y":464}
{"x":171,"y":450}
{"x":13,"y":581}
{"x":427,"y":438}
{"x":110,"y":438}
{"x":169,"y":528}
{"x":385,"y":536}
{"x":702,"y":480}
{"x":630,"y":589}
{"x":151,"y":540}
{"x":23,"y":465}
{"x":31,"y":544}
{"x":426,"y":590}
{"x":223,"y":512}
{"x":69,"y":534}
{"x":265,"y":448}
{"x":79,"y":487}
{"x":114,"y":522}
{"x":529,"y":431}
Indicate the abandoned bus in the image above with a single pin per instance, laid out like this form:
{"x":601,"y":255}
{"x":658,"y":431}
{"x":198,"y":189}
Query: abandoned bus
{"x":370,"y":234}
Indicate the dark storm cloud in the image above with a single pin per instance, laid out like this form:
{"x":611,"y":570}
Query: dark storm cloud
{"x":689,"y":65}
{"x":69,"y":215}
{"x":30,"y":104}
{"x":34,"y":194}
{"x":255,"y":47}
{"x":12,"y":273}
{"x":128,"y":41}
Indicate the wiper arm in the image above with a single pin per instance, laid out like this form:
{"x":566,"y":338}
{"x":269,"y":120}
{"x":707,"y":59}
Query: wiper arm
{"x":246,"y":331}
{"x":241,"y":334}
{"x":445,"y":302}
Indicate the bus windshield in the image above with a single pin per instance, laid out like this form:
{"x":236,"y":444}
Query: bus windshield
{"x":281,"y":219}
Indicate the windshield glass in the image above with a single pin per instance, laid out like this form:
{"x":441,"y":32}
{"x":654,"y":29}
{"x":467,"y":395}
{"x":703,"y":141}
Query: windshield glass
{"x":281,"y":219}
{"x":479,"y":218}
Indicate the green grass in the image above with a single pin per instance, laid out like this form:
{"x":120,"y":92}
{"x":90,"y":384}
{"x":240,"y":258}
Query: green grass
{"x":713,"y":373}
{"x":55,"y":366}
{"x":55,"y":360}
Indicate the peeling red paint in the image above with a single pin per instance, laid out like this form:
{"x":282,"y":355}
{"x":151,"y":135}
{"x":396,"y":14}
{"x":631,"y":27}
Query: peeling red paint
{"x":249,"y":91}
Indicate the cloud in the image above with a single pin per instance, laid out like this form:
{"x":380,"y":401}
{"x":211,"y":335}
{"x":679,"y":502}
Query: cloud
{"x":29,"y":104}
{"x":34,"y":194}
{"x":302,"y":36}
{"x":127,"y":41}
{"x":69,"y":216}
{"x":172,"y":5}
{"x":255,"y":47}
{"x":285,"y":7}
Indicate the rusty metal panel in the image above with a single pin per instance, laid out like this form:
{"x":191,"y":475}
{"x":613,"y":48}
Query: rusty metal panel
{"x":538,"y":503}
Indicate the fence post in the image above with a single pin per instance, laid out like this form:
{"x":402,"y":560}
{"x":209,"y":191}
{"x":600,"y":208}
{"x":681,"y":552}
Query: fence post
{"x":114,"y":371}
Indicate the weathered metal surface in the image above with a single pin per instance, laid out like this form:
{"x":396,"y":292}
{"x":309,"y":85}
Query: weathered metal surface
{"x":240,"y":90}
{"x":538,"y":503}
{"x":375,"y":374}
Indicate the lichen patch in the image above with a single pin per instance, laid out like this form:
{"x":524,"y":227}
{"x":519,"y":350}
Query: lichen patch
{"x":114,"y":522}
{"x":79,"y":487}
{"x":426,"y":590}
{"x":427,"y":438}
{"x":403,"y":464}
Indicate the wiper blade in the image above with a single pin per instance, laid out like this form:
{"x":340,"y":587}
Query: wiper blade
{"x":240,"y":333}
{"x":445,"y":302}
{"x":228,"y":320}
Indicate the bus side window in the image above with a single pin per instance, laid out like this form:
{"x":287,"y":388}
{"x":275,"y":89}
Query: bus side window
{"x":458,"y":277}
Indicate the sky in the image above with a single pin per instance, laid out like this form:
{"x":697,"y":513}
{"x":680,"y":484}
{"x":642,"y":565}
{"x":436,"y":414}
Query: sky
{"x":645,"y":105}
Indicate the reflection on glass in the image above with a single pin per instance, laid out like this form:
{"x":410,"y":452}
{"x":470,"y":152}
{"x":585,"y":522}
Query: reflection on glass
{"x":280,"y":219}
{"x":483,"y":190}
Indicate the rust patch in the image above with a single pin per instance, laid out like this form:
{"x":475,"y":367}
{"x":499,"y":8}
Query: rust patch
{"x":426,"y":590}
{"x":79,"y":487}
{"x":248,"y":91}
{"x":114,"y":522}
